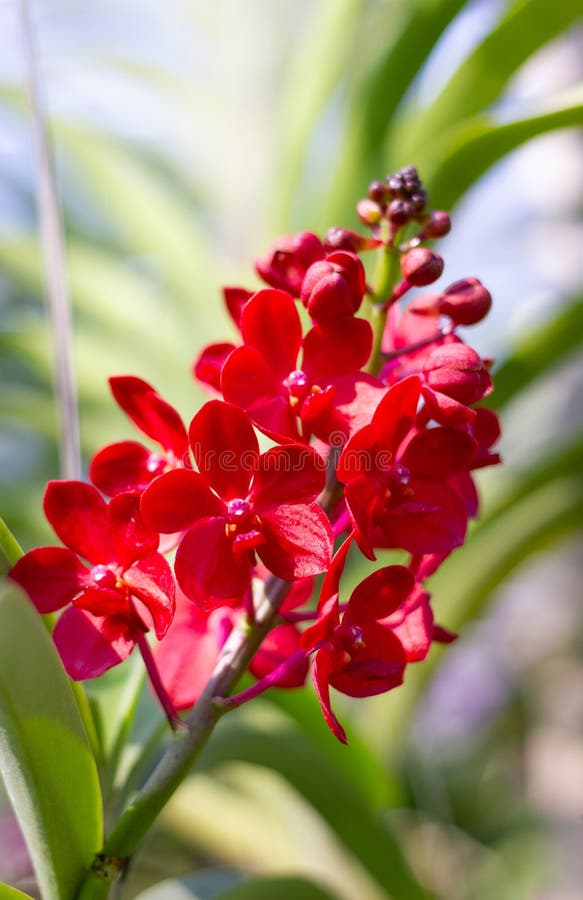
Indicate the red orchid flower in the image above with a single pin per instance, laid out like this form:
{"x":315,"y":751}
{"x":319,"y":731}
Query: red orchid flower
{"x":325,"y":394}
{"x":129,"y":465}
{"x":111,"y":601}
{"x":288,"y":260}
{"x":397,"y":479}
{"x":240,"y":503}
{"x":354,"y":653}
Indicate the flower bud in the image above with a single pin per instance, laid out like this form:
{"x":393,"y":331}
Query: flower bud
{"x":399,"y":212}
{"x":458,"y":372}
{"x":465,"y":302}
{"x":334,"y":286}
{"x":369,"y":212}
{"x":377,"y":191}
{"x":288,"y":260}
{"x":421,"y":266}
{"x":346,"y":239}
{"x":437,"y":224}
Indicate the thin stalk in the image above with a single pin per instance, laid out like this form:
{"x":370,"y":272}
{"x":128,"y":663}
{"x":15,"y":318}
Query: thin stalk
{"x":54,"y":264}
{"x":386,"y":276}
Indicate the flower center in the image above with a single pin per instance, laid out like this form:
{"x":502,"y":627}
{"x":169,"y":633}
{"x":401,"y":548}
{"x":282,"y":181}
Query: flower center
{"x":238,"y":510}
{"x":104,"y":577}
{"x":297,"y":385}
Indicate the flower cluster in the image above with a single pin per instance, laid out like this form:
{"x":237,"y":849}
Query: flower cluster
{"x":367,"y":408}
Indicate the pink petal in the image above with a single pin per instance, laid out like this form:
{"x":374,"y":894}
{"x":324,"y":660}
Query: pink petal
{"x":79,"y":516}
{"x":89,"y":645}
{"x":51,"y":576}
{"x":207,"y":570}
{"x":150,"y":412}
{"x":177,"y":499}
{"x":294,"y":474}
{"x":125,"y":466}
{"x":270,"y":323}
{"x":152,"y":582}
{"x":224,"y":447}
{"x":299,"y":540}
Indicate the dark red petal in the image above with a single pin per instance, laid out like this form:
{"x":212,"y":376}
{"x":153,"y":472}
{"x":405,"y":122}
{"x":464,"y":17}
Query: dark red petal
{"x":446,"y":410}
{"x":270,"y":323}
{"x":293,"y":474}
{"x":331,"y":581}
{"x":439,"y":452}
{"x":78,"y":514}
{"x":89,"y":645}
{"x":151,"y":581}
{"x":103,"y":602}
{"x":362,"y":497}
{"x":125,"y":466}
{"x":375,"y":669}
{"x":133,"y":538}
{"x":323,"y":628}
{"x":339,"y":346}
{"x":51,"y":576}
{"x":299,"y":540}
{"x":207,"y":570}
{"x":413,"y":625}
{"x":281,"y":643}
{"x":356,"y":399}
{"x":379,"y":595}
{"x":224,"y":447}
{"x":396,"y":412}
{"x":360,"y":456}
{"x":177,"y":499}
{"x":207,"y":368}
{"x":150,"y":412}
{"x":321,"y":669}
{"x":235,"y":299}
{"x":438,"y":529}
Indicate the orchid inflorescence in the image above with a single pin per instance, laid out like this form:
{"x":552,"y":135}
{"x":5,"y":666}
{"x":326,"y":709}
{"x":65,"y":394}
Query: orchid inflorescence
{"x":372,"y":432}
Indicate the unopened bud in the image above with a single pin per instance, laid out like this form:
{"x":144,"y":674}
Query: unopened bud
{"x":377,"y":191}
{"x":465,"y":302}
{"x":437,"y":224}
{"x":346,"y":239}
{"x":421,"y":266}
{"x":369,"y":212}
{"x":399,"y":212}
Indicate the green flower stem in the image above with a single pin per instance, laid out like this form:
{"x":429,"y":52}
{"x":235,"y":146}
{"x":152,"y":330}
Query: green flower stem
{"x":184,"y":748}
{"x":386,"y":276}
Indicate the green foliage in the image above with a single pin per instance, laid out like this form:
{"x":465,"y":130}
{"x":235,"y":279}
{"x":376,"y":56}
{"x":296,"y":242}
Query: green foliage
{"x":45,"y":757}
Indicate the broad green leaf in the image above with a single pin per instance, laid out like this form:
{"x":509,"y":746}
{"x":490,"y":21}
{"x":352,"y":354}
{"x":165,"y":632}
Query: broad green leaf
{"x":347,"y":812}
{"x":10,"y":893}
{"x":536,"y":352}
{"x":480,"y":79}
{"x":45,"y":758}
{"x":10,"y":551}
{"x":452,"y":167}
{"x":276,"y":889}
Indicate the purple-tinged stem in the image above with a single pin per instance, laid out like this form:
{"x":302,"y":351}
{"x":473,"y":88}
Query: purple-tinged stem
{"x":174,"y":719}
{"x":285,"y":668}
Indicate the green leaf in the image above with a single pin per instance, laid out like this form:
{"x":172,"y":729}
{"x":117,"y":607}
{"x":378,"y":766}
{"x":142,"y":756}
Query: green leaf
{"x":539,"y":350}
{"x":10,"y":550}
{"x":45,"y":758}
{"x":451,"y":167}
{"x":309,"y":770}
{"x":276,"y":889}
{"x":480,"y":79}
{"x":10,"y":893}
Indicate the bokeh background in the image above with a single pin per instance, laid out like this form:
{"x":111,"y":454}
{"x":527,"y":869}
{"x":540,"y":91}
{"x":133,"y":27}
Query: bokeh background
{"x":186,"y":136}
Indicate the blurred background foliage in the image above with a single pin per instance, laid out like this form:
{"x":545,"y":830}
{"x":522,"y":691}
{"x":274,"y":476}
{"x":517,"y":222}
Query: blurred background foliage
{"x":186,"y":137}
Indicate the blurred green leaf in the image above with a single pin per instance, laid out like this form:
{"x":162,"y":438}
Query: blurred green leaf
{"x":203,"y":885}
{"x":450,"y":167}
{"x":537,"y":351}
{"x":10,"y":893}
{"x":310,"y":771}
{"x":276,"y":889}
{"x":46,"y":761}
{"x":480,"y":79}
{"x":10,"y":550}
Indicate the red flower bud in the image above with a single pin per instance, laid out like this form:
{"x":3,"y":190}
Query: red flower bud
{"x":465,"y":302}
{"x":421,"y":266}
{"x":288,"y":260}
{"x":437,"y":225}
{"x":458,"y":372}
{"x":346,"y":239}
{"x":334,"y":286}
